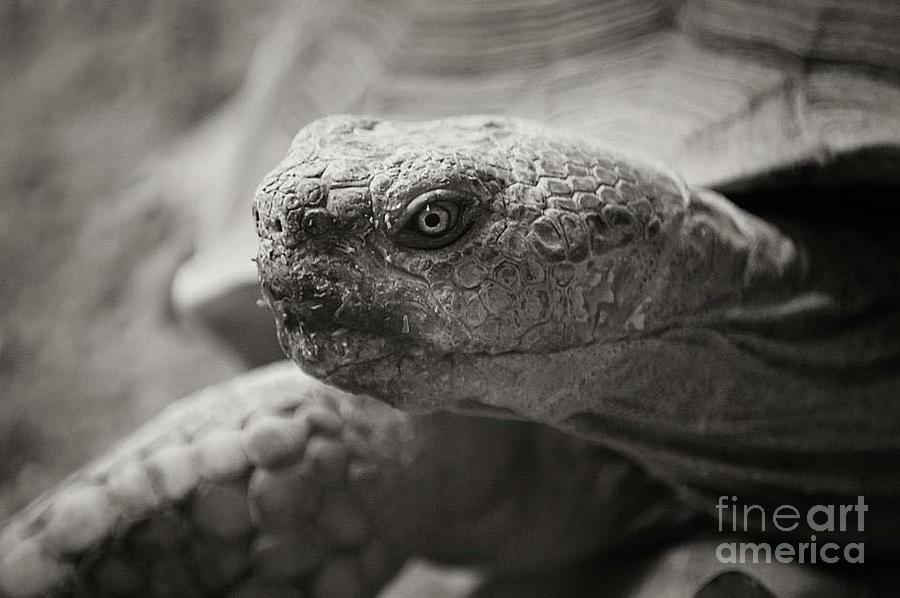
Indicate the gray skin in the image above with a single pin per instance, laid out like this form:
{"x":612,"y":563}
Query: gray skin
{"x":492,"y":266}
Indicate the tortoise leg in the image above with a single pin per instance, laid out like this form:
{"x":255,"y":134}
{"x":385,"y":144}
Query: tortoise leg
{"x":274,"y":484}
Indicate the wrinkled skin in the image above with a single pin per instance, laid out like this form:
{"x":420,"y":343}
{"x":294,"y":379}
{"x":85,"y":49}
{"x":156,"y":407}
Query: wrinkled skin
{"x":592,"y":293}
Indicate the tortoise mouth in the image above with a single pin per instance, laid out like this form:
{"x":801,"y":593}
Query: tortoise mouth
{"x":321,"y":347}
{"x":336,"y":346}
{"x":404,"y":370}
{"x":339,"y":333}
{"x":478,"y":408}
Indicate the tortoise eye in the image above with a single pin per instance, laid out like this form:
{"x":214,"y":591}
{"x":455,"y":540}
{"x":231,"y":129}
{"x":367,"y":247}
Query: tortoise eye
{"x":437,"y":218}
{"x":434,"y":219}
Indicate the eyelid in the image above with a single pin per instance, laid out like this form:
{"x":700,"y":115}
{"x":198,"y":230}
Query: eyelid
{"x":432,"y":196}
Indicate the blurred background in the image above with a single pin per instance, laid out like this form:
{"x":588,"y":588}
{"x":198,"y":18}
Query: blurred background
{"x":133,"y":135}
{"x":94,"y":98}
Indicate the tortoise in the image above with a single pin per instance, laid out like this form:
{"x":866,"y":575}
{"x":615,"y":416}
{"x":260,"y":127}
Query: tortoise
{"x":618,"y":349}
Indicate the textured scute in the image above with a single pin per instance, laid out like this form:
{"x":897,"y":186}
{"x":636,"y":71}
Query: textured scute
{"x":248,"y":487}
{"x":725,"y":90}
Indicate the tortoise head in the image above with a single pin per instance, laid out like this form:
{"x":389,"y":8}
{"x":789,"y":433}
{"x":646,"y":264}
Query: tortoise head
{"x":408,"y":260}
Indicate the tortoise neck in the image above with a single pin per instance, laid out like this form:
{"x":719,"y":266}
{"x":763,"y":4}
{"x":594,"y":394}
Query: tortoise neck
{"x":721,"y":261}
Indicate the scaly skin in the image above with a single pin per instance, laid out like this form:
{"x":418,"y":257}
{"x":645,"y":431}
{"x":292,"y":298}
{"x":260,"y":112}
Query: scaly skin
{"x":252,"y":486}
{"x":593,"y":293}
{"x":276,"y":485}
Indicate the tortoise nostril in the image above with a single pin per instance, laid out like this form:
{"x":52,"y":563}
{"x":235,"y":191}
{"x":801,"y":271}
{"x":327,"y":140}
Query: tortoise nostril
{"x":312,"y":315}
{"x":290,"y":322}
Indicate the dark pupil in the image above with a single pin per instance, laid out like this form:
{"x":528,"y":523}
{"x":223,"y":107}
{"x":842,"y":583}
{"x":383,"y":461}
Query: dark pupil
{"x":432,"y":220}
